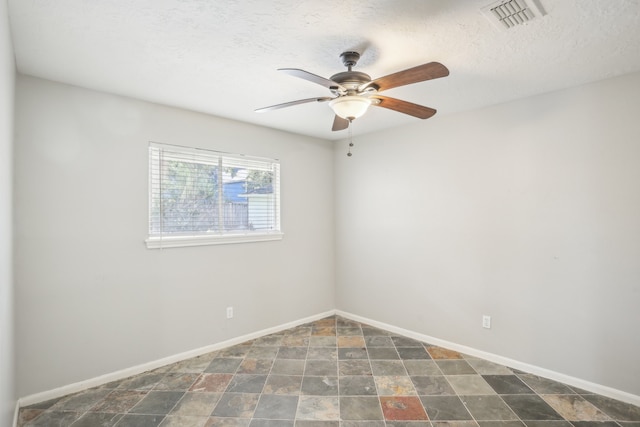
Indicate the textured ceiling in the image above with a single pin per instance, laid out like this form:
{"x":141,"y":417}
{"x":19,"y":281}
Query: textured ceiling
{"x":221,"y":56}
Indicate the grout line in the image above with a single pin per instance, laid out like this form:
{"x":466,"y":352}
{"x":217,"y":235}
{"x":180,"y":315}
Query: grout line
{"x":375,"y":383}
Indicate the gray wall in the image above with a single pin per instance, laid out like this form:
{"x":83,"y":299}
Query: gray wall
{"x":91,"y":299}
{"x":7,"y":78}
{"x":527,"y":211}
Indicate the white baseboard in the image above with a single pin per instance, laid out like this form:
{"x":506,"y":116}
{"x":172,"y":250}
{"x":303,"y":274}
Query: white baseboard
{"x":139,"y":369}
{"x":536,"y":370}
{"x":16,"y":412}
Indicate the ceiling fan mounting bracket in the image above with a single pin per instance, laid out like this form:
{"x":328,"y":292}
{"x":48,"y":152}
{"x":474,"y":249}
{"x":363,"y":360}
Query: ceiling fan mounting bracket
{"x":350,"y":59}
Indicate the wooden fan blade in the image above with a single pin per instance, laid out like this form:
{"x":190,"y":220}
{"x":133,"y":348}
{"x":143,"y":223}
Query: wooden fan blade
{"x":339,"y":123}
{"x":291,"y":103}
{"x":405,"y":107}
{"x":329,"y":84}
{"x":429,"y":71}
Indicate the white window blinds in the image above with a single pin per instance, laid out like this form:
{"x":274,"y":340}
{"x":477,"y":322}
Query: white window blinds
{"x":199,"y":197}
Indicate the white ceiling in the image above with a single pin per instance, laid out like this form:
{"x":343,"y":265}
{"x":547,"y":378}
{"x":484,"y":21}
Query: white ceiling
{"x":221,"y":56}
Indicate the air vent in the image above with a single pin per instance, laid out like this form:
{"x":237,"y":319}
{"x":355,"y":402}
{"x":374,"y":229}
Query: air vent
{"x":507,"y":14}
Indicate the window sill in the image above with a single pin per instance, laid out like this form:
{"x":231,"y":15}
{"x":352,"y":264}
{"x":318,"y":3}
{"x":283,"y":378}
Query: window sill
{"x":184,"y":241}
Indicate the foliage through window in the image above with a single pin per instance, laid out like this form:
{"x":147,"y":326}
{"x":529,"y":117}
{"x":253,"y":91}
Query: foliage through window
{"x":199,"y":196}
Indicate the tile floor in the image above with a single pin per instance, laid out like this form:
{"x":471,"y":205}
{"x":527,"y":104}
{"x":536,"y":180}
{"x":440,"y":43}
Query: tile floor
{"x":334,"y":373}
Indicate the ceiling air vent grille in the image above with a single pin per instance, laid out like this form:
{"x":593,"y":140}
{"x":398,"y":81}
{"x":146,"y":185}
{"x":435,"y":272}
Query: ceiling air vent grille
{"x":507,"y":14}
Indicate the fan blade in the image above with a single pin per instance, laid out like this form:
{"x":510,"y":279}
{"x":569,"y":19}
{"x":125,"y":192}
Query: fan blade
{"x":429,"y":71}
{"x":291,"y":103}
{"x":329,"y":84}
{"x":405,"y":107}
{"x":339,"y":123}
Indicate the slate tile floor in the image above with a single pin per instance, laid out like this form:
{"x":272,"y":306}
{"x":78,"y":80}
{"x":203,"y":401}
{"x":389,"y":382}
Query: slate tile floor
{"x":334,"y":373}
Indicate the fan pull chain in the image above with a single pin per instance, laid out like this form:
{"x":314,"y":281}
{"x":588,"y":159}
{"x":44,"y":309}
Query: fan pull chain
{"x":349,"y":154}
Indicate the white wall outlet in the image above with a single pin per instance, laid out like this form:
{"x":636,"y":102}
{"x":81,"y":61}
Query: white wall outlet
{"x":486,"y":322}
{"x":229,"y":312}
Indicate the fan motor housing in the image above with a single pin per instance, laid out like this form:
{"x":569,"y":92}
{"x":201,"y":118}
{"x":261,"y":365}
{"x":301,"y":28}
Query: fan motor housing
{"x":351,"y":79}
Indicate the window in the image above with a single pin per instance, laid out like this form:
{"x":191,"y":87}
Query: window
{"x":203,"y":197}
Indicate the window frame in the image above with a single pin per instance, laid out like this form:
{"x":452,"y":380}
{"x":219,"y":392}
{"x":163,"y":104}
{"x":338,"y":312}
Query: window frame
{"x":160,"y":240}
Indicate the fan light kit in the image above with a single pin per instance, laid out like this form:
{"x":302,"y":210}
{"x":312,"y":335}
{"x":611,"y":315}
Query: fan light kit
{"x":350,"y":107}
{"x":354,"y":92}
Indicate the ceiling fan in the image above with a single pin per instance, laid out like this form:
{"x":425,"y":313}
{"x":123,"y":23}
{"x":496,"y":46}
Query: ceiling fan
{"x":355,"y":91}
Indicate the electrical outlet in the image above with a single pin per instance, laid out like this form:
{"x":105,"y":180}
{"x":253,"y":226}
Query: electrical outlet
{"x":486,"y":322}
{"x":229,"y":312}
